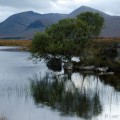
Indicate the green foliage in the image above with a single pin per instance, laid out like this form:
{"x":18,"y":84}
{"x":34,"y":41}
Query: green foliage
{"x":69,"y":29}
{"x":62,"y":30}
{"x":94,"y":21}
{"x":40,"y":43}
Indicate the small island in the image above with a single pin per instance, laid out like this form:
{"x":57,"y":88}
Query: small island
{"x":78,"y":37}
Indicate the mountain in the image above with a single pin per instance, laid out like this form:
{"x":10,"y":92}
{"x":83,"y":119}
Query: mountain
{"x":112,"y":23}
{"x":111,"y":27}
{"x":24,"y":25}
{"x":85,"y":9}
{"x":15,"y":25}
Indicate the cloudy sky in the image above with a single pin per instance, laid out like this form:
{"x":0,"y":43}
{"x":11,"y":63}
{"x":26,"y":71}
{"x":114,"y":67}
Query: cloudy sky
{"x":9,"y":7}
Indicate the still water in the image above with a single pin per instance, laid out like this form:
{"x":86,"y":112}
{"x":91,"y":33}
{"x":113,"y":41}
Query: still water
{"x":30,"y":91}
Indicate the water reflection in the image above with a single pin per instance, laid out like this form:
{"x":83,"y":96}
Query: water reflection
{"x":69,"y":96}
{"x":113,"y":80}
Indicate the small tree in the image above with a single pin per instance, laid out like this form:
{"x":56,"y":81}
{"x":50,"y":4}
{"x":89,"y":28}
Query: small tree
{"x":68,"y":37}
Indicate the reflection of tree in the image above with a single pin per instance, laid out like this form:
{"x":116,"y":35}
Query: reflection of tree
{"x":51,"y":91}
{"x":3,"y":118}
{"x":96,"y":107}
{"x":113,"y":80}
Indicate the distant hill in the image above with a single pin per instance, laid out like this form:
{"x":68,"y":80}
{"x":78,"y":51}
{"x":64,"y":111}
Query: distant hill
{"x":85,"y":9}
{"x":24,"y":25}
{"x":17,"y":24}
{"x":112,"y":23}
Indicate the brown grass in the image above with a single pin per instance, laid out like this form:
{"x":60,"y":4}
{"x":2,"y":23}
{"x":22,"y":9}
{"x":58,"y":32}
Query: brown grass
{"x":102,"y":42}
{"x":107,"y":40}
{"x":24,"y":43}
{"x":27,"y":43}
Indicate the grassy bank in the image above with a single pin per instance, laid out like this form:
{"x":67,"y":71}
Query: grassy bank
{"x":24,"y":43}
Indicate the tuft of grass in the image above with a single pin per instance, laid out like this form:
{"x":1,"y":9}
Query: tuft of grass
{"x":101,"y":52}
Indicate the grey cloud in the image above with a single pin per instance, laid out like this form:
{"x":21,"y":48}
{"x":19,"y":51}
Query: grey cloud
{"x":111,"y":6}
{"x":61,"y":5}
{"x":8,"y":7}
{"x":26,"y":3}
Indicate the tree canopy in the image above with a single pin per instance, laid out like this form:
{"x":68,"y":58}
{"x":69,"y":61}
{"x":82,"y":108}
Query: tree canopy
{"x":94,"y":22}
{"x":69,"y":36}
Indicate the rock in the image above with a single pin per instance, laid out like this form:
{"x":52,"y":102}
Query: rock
{"x":101,"y":69}
{"x":75,"y":59}
{"x":68,"y":66}
{"x":87,"y":68}
{"x":107,"y":73}
{"x":55,"y":64}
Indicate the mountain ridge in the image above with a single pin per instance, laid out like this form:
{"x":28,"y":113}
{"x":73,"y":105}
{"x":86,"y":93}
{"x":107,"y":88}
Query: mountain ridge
{"x":24,"y":25}
{"x":85,"y":9}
